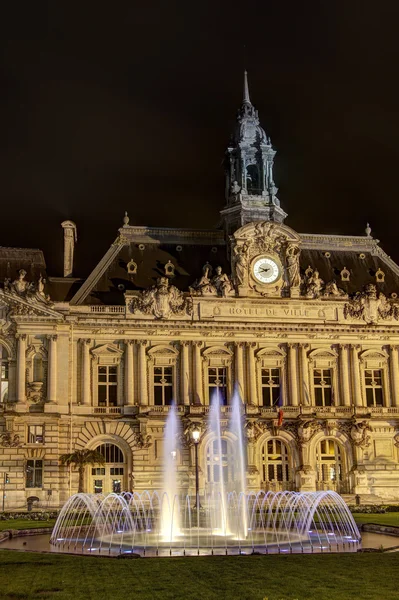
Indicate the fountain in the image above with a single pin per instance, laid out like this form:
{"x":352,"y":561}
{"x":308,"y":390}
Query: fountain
{"x":170,"y":510}
{"x":231,"y":519}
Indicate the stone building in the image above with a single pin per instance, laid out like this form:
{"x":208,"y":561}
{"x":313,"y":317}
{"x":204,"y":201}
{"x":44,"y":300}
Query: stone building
{"x":304,"y":326}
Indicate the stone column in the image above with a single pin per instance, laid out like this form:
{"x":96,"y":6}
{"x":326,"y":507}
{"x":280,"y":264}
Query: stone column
{"x":21,"y":368}
{"x":52,"y":370}
{"x":86,"y":372}
{"x":394,"y":368}
{"x":198,"y":394}
{"x":143,"y":376}
{"x":129,"y":373}
{"x":293,"y":374}
{"x":344,"y":374}
{"x":185,"y":373}
{"x":240,"y":370}
{"x":304,"y":370}
{"x":251,"y":372}
{"x":357,"y":399}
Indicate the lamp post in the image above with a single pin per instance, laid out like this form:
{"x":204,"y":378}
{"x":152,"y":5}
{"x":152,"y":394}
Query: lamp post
{"x":196,"y":436}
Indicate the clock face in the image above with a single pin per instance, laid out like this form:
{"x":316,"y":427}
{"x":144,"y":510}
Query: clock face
{"x":266,"y":270}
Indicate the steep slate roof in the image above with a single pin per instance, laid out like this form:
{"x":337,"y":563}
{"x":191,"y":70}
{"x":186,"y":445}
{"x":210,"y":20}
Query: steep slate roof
{"x":151,"y":249}
{"x":188,"y":250}
{"x":14,"y":259}
{"x":360,"y":255}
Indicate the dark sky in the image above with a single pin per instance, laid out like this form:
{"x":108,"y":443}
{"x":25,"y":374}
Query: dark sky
{"x":129,"y":106}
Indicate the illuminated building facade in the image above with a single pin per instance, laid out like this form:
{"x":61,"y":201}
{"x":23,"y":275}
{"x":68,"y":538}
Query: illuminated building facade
{"x":304,"y":326}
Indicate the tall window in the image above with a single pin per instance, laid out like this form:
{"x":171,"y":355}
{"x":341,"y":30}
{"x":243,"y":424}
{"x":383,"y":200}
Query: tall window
{"x":217,"y":382}
{"x":329,"y":464}
{"x":374,"y":388}
{"x":322,"y":380}
{"x":35,"y":434}
{"x":34,"y":473}
{"x":275,"y":462}
{"x":163,"y":386}
{"x":107,"y":385}
{"x":270,"y":383}
{"x":220,"y":462}
{"x":3,"y":374}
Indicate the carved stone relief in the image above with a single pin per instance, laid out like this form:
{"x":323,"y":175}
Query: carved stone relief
{"x":162,"y":300}
{"x":371,"y":306}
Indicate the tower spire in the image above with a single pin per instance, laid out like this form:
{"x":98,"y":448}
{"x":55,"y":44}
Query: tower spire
{"x":250,"y":188}
{"x":246,"y":98}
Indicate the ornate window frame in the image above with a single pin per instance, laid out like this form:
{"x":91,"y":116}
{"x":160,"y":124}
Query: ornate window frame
{"x":108,"y":354}
{"x":375,"y":358}
{"x":163,"y":355}
{"x":217,"y":356}
{"x":324,"y":358}
{"x":271,"y":357}
{"x":31,"y":393}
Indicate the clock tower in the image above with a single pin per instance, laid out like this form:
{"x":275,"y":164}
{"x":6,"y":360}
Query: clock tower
{"x":250,"y":189}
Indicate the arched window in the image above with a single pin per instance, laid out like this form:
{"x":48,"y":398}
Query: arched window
{"x":111,"y":453}
{"x":252,"y":179}
{"x":38,"y":371}
{"x":219,"y":464}
{"x":330,"y":466}
{"x":276,"y":471}
{"x":3,"y":374}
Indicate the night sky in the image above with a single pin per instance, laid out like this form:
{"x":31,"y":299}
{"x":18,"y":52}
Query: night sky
{"x":129,"y":106}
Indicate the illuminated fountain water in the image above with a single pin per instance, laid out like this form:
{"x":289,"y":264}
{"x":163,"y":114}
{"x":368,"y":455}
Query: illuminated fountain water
{"x":278,"y":522}
{"x":231,"y":519}
{"x":240,"y":463}
{"x":216,"y":496}
{"x":170,"y":500}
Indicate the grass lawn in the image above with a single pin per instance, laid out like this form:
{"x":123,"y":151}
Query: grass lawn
{"x":25,"y":524}
{"x":383,"y":519}
{"x":29,"y":576}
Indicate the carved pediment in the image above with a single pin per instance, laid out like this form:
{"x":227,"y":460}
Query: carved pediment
{"x":13,"y":305}
{"x":107,"y":354}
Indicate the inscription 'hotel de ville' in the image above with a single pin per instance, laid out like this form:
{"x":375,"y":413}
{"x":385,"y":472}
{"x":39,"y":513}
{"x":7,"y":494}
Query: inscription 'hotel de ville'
{"x":304,"y":326}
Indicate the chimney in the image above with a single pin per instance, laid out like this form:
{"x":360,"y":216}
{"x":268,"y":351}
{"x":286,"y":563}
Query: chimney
{"x":70,"y":237}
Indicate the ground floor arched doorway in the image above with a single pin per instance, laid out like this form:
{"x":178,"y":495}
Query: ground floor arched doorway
{"x":112,"y":475}
{"x":276,"y":467}
{"x":330,"y":466}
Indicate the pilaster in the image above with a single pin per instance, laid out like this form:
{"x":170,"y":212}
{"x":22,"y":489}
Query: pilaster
{"x":52,"y":371}
{"x":344,"y":374}
{"x":185,"y":373}
{"x":198,"y":394}
{"x":143,"y":378}
{"x":251,"y":370}
{"x":293,"y":373}
{"x":86,"y":372}
{"x":394,"y":367}
{"x":129,"y":373}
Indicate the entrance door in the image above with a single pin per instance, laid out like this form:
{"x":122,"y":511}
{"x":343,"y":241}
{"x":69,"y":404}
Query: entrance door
{"x":112,"y":476}
{"x":330,"y":467}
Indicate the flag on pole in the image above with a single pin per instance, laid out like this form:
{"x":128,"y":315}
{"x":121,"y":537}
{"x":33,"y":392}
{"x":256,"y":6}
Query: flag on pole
{"x":280,"y":417}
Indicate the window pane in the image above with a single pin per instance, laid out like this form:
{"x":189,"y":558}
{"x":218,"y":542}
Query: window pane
{"x":378,"y":396}
{"x":369,"y":396}
{"x":318,"y":393}
{"x":112,"y":395}
{"x":158,"y":395}
{"x":102,"y":395}
{"x":168,"y":395}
